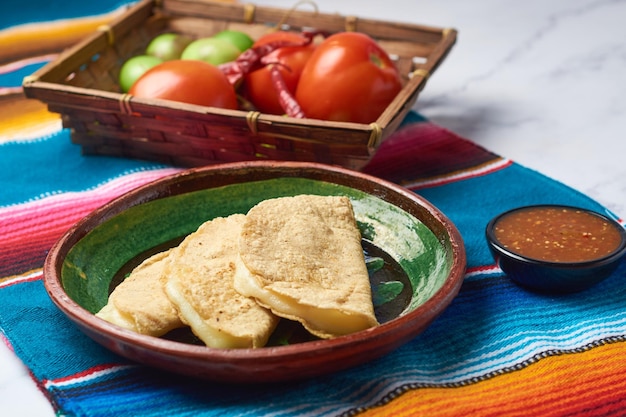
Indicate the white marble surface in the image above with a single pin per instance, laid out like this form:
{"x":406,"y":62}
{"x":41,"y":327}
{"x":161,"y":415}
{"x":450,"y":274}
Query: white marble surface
{"x":540,"y":82}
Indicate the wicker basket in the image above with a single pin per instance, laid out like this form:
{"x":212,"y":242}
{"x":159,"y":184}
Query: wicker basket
{"x":82,"y":85}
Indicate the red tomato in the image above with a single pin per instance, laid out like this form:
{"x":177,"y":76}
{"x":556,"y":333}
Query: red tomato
{"x":187,"y":81}
{"x":258,"y":85}
{"x":349,"y":78}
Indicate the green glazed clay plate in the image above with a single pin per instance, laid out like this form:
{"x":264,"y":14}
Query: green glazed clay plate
{"x":415,"y":257}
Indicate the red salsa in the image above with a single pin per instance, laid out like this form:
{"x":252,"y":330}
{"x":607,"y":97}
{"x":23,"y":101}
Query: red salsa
{"x":557,"y":234}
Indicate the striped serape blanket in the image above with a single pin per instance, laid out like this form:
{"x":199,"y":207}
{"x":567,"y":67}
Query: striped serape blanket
{"x":497,"y":350}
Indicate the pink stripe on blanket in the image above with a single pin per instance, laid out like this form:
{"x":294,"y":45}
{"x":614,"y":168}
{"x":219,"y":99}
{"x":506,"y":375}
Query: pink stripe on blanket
{"x":30,"y":229}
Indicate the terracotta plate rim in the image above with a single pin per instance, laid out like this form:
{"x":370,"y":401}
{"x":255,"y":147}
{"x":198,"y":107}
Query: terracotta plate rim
{"x":400,"y":328}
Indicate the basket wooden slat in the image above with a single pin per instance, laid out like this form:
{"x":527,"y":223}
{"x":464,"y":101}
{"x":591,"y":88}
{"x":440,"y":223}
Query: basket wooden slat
{"x":82,"y":86}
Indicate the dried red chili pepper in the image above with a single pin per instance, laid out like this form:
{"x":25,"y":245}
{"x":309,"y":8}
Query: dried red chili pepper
{"x":255,"y":58}
{"x":248,"y":61}
{"x":286,"y":99}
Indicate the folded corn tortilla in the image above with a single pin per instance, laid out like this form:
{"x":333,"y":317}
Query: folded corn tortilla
{"x":302,"y":258}
{"x":200,"y":277}
{"x":139,"y":303}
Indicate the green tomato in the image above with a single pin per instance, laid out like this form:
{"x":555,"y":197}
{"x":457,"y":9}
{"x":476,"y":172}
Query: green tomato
{"x":212,"y":50}
{"x":240,"y":39}
{"x":168,"y":46}
{"x":134,"y":68}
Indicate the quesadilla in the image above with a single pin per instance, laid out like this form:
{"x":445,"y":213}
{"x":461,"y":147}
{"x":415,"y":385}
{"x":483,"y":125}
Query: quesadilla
{"x":301,"y":257}
{"x":200,"y":284}
{"x":139,"y":303}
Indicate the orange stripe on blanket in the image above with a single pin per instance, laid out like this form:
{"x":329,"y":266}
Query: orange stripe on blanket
{"x":31,"y":39}
{"x":585,"y":383}
{"x":24,"y":119}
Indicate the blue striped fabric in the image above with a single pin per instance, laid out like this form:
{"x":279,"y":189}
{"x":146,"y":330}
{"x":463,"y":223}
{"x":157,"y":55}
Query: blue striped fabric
{"x":56,"y":162}
{"x":477,"y":336}
{"x":492,"y":326}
